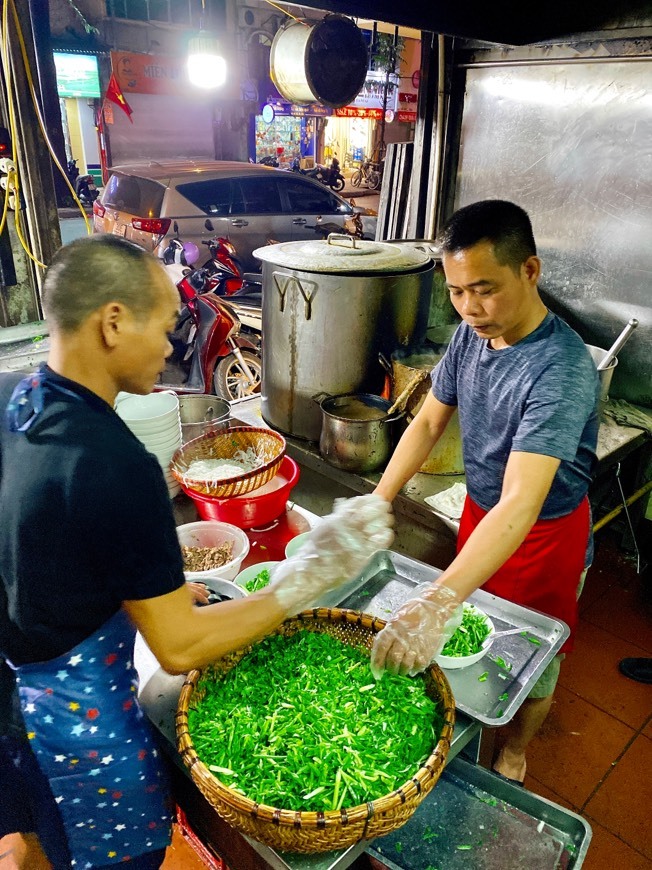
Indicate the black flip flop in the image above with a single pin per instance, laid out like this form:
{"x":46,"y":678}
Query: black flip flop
{"x":516,"y":782}
{"x":639,"y":669}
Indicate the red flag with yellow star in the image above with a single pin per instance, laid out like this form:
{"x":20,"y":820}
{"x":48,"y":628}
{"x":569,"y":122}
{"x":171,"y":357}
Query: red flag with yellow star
{"x":114,"y":93}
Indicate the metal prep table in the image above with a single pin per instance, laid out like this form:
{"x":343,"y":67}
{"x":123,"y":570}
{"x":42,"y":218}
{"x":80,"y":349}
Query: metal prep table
{"x":386,"y":582}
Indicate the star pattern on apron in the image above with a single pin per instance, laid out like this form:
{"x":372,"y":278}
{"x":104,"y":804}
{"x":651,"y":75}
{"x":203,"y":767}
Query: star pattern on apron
{"x":97,"y":748}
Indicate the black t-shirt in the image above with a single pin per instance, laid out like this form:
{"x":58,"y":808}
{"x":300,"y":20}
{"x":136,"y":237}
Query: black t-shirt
{"x":85,"y":523}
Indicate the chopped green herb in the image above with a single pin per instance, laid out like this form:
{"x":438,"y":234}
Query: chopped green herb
{"x":258,"y":582}
{"x":502,"y":663}
{"x":429,"y":834}
{"x":399,"y":847}
{"x":469,"y":637}
{"x":465,"y":848}
{"x":503,"y":697}
{"x":483,"y":677}
{"x":500,"y":713}
{"x":535,"y":641}
{"x":311,"y":738}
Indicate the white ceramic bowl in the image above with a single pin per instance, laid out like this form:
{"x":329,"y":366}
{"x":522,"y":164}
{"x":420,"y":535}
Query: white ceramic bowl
{"x":455,"y":662}
{"x":153,"y":407}
{"x":250,"y":572}
{"x":295,"y":544}
{"x":210,"y":533}
{"x":162,"y":440}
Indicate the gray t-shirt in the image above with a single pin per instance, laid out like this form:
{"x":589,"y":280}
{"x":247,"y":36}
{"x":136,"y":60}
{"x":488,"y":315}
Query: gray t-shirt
{"x":537,"y":396}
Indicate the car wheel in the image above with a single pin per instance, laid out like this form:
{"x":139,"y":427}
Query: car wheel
{"x":338,"y":184}
{"x":356,"y":178}
{"x":230,"y":381}
{"x":374,"y":180}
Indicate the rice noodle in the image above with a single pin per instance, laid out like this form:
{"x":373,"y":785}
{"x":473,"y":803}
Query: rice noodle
{"x":214,"y":470}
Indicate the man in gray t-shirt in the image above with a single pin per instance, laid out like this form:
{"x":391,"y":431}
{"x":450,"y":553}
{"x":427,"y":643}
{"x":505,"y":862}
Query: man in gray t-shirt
{"x":526,"y":391}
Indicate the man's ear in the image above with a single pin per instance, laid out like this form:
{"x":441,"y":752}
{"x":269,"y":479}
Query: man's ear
{"x":112,"y":321}
{"x":532,"y":269}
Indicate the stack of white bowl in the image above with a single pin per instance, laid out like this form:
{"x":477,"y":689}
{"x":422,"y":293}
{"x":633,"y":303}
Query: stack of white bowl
{"x":154,"y":420}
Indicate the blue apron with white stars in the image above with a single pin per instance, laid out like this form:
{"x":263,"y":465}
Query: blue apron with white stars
{"x":97,"y":747}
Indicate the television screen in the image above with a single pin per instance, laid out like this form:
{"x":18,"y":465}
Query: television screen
{"x":77,"y":75}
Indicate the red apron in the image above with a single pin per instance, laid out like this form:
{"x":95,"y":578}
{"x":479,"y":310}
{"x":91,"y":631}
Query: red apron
{"x":545,"y":571}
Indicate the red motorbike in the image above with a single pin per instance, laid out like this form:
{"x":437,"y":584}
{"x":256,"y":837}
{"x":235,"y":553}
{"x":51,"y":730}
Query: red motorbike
{"x":216,"y":344}
{"x":225,"y":275}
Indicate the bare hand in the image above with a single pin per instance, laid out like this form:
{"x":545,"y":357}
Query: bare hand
{"x":199,"y":592}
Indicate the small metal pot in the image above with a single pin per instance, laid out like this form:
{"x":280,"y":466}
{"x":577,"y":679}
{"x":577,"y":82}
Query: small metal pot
{"x":201,"y":414}
{"x":357,"y":445}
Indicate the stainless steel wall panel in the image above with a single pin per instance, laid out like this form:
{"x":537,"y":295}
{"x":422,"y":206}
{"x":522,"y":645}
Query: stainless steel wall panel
{"x":572,"y":144}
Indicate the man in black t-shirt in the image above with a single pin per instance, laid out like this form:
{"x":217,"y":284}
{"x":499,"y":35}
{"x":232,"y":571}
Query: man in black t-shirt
{"x":89,"y":553}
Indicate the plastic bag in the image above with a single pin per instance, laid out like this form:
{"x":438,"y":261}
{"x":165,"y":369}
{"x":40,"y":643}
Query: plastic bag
{"x":417,"y":632}
{"x":335,"y":551}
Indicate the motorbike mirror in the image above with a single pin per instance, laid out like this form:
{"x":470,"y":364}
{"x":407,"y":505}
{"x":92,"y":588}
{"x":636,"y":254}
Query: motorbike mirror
{"x":208,"y":225}
{"x":175,"y":227}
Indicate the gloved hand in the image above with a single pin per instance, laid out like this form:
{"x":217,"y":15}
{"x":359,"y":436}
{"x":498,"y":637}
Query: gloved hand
{"x":417,"y":632}
{"x":336,"y":550}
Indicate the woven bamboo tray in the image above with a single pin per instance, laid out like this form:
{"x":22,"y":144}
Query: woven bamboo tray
{"x":293,"y":831}
{"x":268,"y":445}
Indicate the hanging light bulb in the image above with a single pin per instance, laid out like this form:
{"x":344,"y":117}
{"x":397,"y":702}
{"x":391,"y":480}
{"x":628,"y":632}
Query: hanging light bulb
{"x":206,"y":66}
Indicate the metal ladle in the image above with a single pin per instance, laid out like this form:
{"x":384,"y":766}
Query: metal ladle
{"x":617,"y":345}
{"x":523,"y":629}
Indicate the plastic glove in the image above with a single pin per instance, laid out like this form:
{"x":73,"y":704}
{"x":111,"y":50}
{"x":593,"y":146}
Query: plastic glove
{"x":417,"y":632}
{"x":336,"y":550}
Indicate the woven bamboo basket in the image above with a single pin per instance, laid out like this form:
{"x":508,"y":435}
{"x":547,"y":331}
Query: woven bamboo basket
{"x":294,"y":831}
{"x":268,"y":445}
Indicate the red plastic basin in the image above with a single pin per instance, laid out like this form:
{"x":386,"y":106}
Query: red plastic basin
{"x":256,"y":508}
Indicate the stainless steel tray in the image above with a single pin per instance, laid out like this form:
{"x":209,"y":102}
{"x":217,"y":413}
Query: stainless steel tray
{"x":389,"y":579}
{"x":474,"y":819}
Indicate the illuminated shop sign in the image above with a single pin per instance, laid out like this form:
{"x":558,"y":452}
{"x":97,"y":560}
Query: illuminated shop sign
{"x":77,"y":75}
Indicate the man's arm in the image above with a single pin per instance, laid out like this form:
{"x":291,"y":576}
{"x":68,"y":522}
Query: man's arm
{"x":412,"y":450}
{"x":414,"y":636}
{"x":182,"y":636}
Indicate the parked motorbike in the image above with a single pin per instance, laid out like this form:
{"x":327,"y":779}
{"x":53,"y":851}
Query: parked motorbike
{"x":331,"y":175}
{"x":328,"y":175}
{"x":86,"y":190}
{"x":216,"y":344}
{"x":72,"y":172}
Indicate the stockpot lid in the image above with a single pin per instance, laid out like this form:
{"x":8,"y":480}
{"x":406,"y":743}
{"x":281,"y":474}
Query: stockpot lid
{"x":341,"y":253}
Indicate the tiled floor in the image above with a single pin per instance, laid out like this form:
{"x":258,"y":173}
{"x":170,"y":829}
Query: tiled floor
{"x":594,"y":754}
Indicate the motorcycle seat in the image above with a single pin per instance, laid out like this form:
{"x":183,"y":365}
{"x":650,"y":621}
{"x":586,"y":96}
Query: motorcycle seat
{"x":247,"y":300}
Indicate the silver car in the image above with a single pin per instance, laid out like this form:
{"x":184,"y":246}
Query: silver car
{"x":249,"y":204}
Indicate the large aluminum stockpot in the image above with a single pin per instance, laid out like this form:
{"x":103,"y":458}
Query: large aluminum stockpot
{"x":329,"y":308}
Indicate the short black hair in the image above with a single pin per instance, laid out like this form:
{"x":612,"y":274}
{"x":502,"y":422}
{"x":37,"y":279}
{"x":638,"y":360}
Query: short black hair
{"x":504,"y":224}
{"x":89,"y":272}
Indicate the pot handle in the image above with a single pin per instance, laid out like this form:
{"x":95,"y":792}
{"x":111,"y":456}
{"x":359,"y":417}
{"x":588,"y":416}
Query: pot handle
{"x":385,"y":363}
{"x":318,"y":398}
{"x":394,"y":418}
{"x":340,"y":237}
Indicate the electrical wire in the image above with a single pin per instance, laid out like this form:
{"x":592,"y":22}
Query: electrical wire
{"x":39,"y":115}
{"x":13,"y":184}
{"x":285,"y":12}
